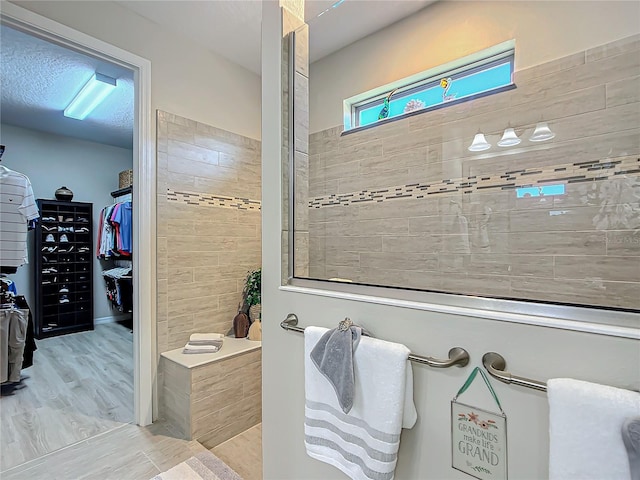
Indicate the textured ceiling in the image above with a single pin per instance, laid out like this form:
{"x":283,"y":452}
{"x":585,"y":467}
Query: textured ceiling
{"x":38,"y":79}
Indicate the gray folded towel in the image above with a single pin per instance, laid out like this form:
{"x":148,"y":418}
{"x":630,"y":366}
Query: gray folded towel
{"x":333,"y":356}
{"x":631,"y":440}
{"x":210,"y":348}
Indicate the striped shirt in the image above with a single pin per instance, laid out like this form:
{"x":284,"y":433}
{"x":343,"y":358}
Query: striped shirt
{"x":17,"y":208}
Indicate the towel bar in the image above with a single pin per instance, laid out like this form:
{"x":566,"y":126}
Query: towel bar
{"x":457,"y":356}
{"x":495,"y":364}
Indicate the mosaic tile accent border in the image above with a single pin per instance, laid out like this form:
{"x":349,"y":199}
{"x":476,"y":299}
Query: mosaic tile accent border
{"x":213,"y":200}
{"x":566,"y":173}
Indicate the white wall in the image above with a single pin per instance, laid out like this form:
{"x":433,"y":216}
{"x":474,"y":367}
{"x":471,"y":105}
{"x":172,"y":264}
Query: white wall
{"x":537,"y":352}
{"x":186,"y":79}
{"x":448,"y":30}
{"x":89,"y":169}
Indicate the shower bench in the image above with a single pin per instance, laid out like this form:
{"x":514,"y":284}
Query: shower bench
{"x":211,"y":397}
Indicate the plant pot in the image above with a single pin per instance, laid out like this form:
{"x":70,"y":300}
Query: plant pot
{"x":255,"y":312}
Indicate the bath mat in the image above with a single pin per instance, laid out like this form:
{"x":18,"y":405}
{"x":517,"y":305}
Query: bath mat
{"x":203,"y":466}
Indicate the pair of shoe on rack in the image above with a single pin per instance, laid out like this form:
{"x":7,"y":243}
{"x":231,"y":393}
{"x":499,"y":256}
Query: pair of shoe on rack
{"x":51,"y":239}
{"x":65,"y":229}
{"x":82,"y":220}
{"x":48,"y":219}
{"x":64,"y":299}
{"x":49,"y":282}
{"x":68,"y":250}
{"x":49,"y":270}
{"x":82,"y":230}
{"x":49,"y":249}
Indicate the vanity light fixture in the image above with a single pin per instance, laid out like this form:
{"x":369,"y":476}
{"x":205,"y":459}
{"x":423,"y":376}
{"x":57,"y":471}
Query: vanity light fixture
{"x":479,"y":143}
{"x":509,"y":138}
{"x":541,"y":133}
{"x":92,"y":94}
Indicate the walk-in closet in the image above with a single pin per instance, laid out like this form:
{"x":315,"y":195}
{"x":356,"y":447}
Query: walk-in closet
{"x":66,"y":249}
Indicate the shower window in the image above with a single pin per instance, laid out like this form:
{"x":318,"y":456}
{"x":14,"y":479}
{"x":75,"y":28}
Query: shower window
{"x":483,"y":73}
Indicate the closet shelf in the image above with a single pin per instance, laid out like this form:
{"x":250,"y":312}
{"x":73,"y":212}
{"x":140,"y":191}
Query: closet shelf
{"x":122,"y":191}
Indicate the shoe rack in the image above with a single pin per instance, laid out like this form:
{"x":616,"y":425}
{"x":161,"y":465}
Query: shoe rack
{"x":63,"y":268}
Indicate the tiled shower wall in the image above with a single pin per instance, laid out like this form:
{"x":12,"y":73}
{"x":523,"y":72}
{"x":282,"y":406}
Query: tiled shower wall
{"x":209,"y":230}
{"x":406,"y":204}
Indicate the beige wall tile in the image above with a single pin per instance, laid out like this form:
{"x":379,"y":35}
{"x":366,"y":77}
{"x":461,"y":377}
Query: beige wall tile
{"x":182,"y":121}
{"x":202,"y":243}
{"x":374,"y":181}
{"x":570,"y":61}
{"x":493,"y":285}
{"x":225,"y":396}
{"x":609,"y":268}
{"x":177,"y":277}
{"x":301,"y":113}
{"x":558,"y":243}
{"x":582,"y":292}
{"x":202,"y":169}
{"x":623,"y":243}
{"x":624,"y":45}
{"x":189,"y":151}
{"x":623,"y":91}
{"x":302,"y":50}
{"x":422,"y":243}
{"x":543,"y":220}
{"x":176,"y":377}
{"x":181,"y":133}
{"x":399,"y":261}
{"x":240,"y":424}
{"x":402,"y":160}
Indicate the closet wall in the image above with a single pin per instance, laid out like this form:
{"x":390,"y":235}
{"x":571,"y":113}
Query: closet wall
{"x":89,"y":169}
{"x":209,"y":232}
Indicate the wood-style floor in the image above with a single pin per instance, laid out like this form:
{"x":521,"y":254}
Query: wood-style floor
{"x":80,"y":386}
{"x":138,"y":453}
{"x":243,"y":453}
{"x":127,"y":453}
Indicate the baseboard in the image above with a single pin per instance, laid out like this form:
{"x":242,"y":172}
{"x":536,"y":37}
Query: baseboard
{"x":111,"y":319}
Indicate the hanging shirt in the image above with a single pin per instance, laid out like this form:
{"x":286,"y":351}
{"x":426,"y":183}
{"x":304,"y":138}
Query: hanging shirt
{"x":122,"y":219}
{"x":8,"y":292}
{"x":17,"y":208}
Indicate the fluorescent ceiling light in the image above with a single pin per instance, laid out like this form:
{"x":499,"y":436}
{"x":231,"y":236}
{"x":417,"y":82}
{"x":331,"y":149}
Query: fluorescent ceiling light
{"x":92,"y":94}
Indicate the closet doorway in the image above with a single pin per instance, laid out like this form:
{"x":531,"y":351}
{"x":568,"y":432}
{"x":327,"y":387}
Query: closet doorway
{"x":142,"y":339}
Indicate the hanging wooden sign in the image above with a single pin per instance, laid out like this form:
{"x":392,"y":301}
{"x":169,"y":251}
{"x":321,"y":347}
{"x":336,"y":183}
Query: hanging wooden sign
{"x":478,"y":437}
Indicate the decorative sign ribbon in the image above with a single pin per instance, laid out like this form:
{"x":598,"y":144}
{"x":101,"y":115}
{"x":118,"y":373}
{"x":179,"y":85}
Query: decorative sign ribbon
{"x":478,"y":437}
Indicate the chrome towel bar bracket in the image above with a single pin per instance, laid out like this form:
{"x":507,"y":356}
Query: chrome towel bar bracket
{"x":495,"y":364}
{"x":457,"y":356}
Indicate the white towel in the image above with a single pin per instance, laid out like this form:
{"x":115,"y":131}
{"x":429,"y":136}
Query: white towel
{"x":585,"y":430}
{"x":205,"y":338}
{"x":363,"y":444}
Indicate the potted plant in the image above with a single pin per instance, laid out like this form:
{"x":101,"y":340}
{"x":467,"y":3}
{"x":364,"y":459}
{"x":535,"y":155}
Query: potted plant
{"x":253,"y":293}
